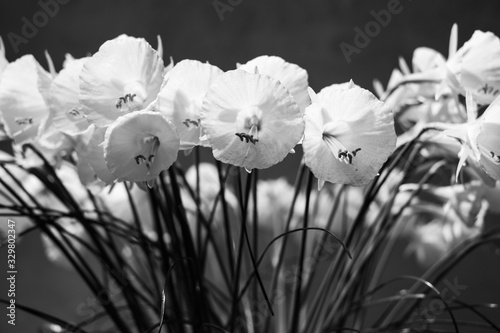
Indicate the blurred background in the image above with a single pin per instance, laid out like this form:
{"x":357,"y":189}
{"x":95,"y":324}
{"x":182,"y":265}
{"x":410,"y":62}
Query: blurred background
{"x":224,"y":32}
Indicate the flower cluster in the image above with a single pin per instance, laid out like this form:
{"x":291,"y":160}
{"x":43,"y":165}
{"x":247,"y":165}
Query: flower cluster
{"x":420,"y":159}
{"x":123,"y":115}
{"x":451,"y":109}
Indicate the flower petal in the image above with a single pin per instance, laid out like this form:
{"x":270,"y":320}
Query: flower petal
{"x":293,"y":77}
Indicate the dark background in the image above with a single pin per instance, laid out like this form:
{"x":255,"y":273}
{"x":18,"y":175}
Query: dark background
{"x":307,"y":33}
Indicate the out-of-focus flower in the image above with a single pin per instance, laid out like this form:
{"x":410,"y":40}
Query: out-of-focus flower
{"x":433,"y":240}
{"x":480,"y":138}
{"x":251,"y":120}
{"x":22,"y":106}
{"x":474,"y":67}
{"x":293,"y":77}
{"x":447,"y":216}
{"x":349,"y":134}
{"x":181,"y":98}
{"x":125,"y":75}
{"x":140,"y":145}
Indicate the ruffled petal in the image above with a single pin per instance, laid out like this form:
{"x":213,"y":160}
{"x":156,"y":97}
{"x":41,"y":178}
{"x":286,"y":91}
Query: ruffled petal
{"x":181,"y":98}
{"x":293,"y":77}
{"x":251,"y":120}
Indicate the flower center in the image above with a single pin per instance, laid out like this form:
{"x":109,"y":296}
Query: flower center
{"x":134,"y":99}
{"x":190,"y":123}
{"x":495,"y":157}
{"x":331,"y":131}
{"x":151,"y":144}
{"x":23,"y":121}
{"x":252,"y":125}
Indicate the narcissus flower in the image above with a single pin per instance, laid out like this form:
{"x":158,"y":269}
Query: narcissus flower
{"x":293,"y":77}
{"x":181,"y":98}
{"x":348,"y":136}
{"x":22,"y":106}
{"x":251,"y":120}
{"x":140,"y":145}
{"x":480,"y":138}
{"x":476,"y":66}
{"x":125,"y":75}
{"x":62,"y":99}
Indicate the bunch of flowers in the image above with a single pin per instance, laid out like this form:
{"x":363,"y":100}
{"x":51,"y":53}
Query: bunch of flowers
{"x":94,"y":167}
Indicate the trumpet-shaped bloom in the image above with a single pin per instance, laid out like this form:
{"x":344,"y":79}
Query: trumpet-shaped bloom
{"x":348,"y":136}
{"x":181,"y":98}
{"x":476,"y":67}
{"x":251,"y":120}
{"x":62,"y":99}
{"x":125,"y":75}
{"x":293,"y":77}
{"x":140,"y":145}
{"x":22,"y":106}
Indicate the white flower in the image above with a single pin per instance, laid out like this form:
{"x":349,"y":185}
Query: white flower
{"x":349,"y":134}
{"x":140,"y":145}
{"x":181,"y":98}
{"x":251,"y":120}
{"x":125,"y":75}
{"x":62,"y":99}
{"x":476,"y":67}
{"x":480,"y":138}
{"x":22,"y":106}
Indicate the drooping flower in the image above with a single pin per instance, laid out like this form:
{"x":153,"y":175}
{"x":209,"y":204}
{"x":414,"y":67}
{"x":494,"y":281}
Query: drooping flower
{"x":140,"y":145}
{"x":181,"y":98}
{"x":125,"y":75}
{"x":251,"y":120}
{"x":22,"y":106}
{"x":348,"y":136}
{"x":293,"y":77}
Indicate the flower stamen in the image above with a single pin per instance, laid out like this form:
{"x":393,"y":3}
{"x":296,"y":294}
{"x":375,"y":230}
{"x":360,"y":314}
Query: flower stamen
{"x":127,"y":100}
{"x":496,"y":158}
{"x":189,"y":122}
{"x":23,"y":121}
{"x":152,"y":144}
